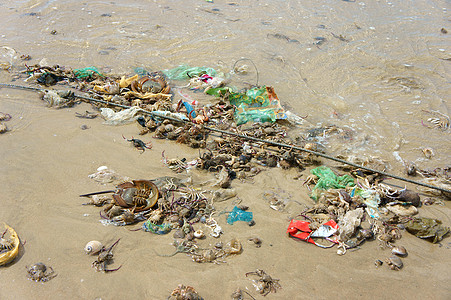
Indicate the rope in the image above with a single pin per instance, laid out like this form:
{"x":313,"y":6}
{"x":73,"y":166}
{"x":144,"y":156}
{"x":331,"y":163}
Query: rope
{"x":246,"y":137}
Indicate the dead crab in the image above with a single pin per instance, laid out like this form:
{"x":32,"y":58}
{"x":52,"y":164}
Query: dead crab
{"x":104,"y":258}
{"x":209,"y":255}
{"x":183,"y":292}
{"x":265,"y":284}
{"x":176,"y":165}
{"x":40,"y":272}
{"x":312,"y":179}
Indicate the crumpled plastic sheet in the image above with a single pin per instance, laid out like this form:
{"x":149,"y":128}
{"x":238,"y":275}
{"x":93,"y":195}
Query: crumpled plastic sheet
{"x":239,"y":215}
{"x":301,"y":230}
{"x":427,"y":228}
{"x":105,"y":175}
{"x":348,"y":224}
{"x":154,"y":228}
{"x":328,"y":179}
{"x":372,"y":201}
{"x":122,"y":117}
{"x":186,"y":72}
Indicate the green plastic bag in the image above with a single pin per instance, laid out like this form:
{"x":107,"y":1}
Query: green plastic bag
{"x":86,"y":73}
{"x":183,"y":72}
{"x":259,"y":104}
{"x":218,"y":92}
{"x":328,"y":179}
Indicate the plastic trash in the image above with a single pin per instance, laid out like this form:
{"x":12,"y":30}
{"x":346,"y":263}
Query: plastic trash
{"x":259,"y":104}
{"x":189,"y":109}
{"x":58,"y":98}
{"x":105,"y":175}
{"x":239,"y":215}
{"x":348,"y":224}
{"x":219,"y":91}
{"x":154,"y":228}
{"x":183,"y":72}
{"x":119,"y":118}
{"x":301,"y":230}
{"x":328,"y":179}
{"x":87,"y":73}
{"x":165,"y":113}
{"x":372,"y":201}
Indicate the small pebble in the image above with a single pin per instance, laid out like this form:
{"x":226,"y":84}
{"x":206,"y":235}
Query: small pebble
{"x":84,"y":127}
{"x":251,"y":223}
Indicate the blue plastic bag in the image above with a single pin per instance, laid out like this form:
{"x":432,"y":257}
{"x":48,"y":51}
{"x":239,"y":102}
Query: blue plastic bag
{"x":239,"y":215}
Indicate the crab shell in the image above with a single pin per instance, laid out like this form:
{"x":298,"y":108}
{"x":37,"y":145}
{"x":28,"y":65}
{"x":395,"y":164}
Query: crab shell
{"x":137,"y":184}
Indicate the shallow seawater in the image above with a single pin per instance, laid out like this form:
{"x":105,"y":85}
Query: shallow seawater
{"x":374,"y":68}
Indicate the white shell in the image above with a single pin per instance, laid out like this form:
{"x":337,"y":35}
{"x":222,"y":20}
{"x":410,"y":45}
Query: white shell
{"x":198,"y":234}
{"x":93,"y":247}
{"x":102,"y":168}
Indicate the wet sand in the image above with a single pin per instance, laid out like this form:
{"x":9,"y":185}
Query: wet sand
{"x":361,"y":84}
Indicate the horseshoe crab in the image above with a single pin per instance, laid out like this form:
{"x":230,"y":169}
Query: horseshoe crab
{"x":9,"y":247}
{"x":138,"y":194}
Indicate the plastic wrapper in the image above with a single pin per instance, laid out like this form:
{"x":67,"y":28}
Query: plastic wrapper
{"x":372,"y":201}
{"x":328,"y":179}
{"x":105,"y":175}
{"x":122,"y":117}
{"x":154,"y":228}
{"x":239,"y":215}
{"x":259,"y":104}
{"x":183,"y":72}
{"x":87,"y":73}
{"x":301,"y":230}
{"x":349,"y":223}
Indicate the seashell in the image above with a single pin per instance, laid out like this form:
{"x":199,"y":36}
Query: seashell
{"x":243,"y":207}
{"x":93,"y":247}
{"x":401,"y":210}
{"x":378,"y":263}
{"x":169,"y":128}
{"x":310,"y":146}
{"x":409,"y":197}
{"x":399,"y":250}
{"x":179,"y":234}
{"x":102,"y":168}
{"x":198,"y":234}
{"x":428,"y":152}
{"x":366,"y":233}
{"x":394,"y":262}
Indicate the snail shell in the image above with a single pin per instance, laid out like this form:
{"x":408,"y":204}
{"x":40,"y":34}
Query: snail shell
{"x":198,"y":234}
{"x":93,"y":247}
